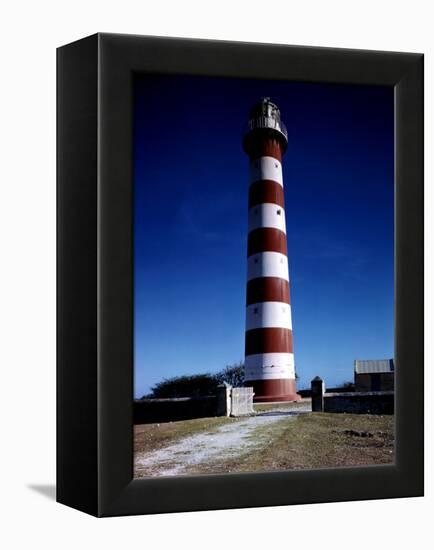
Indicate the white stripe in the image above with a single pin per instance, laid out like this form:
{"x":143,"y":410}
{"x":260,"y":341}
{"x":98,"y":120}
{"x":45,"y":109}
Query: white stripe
{"x":268,"y":314}
{"x":267,"y":215}
{"x":269,"y":366}
{"x":266,"y":168}
{"x":267,"y":264}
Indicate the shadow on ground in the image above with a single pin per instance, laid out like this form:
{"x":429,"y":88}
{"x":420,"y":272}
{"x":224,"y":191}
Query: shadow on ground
{"x":281,"y":413}
{"x":48,"y":491}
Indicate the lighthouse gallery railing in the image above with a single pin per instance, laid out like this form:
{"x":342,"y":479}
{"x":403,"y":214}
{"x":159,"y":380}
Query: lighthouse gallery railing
{"x":267,"y":122}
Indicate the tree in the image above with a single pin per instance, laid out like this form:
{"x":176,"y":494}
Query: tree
{"x":348,"y":385}
{"x":232,"y":374}
{"x":197,"y":384}
{"x":185,"y":386}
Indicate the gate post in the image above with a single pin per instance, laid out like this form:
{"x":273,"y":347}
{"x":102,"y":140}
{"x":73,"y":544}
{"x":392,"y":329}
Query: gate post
{"x":223,"y":399}
{"x":317,"y":391}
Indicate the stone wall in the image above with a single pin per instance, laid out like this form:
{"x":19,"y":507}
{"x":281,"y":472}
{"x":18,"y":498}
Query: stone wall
{"x":375,"y":402}
{"x":339,"y":389}
{"x":147,"y":411}
{"x":227,"y":402}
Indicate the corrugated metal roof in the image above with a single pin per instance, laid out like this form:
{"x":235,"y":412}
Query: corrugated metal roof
{"x":368,"y":366}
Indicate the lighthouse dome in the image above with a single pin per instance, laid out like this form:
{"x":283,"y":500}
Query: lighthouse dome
{"x":264,"y":118}
{"x":265,"y":108}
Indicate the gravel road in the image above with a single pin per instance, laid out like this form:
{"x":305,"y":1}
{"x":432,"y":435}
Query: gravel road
{"x":227,"y":441}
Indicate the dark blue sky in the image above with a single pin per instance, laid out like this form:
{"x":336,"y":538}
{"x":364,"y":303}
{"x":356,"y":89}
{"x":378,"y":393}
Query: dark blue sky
{"x":191,"y":186}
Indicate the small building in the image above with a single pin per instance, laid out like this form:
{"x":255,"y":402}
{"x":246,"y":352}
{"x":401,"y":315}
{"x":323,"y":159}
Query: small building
{"x":374,"y":375}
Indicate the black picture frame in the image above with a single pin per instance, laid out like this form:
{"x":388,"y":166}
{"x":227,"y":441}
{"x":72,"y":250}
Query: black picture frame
{"x":95,"y":274}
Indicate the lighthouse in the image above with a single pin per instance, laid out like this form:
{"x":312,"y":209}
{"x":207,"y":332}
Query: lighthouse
{"x":269,"y":356}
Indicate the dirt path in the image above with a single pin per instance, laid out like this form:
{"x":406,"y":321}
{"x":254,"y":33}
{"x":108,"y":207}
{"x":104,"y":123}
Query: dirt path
{"x":228,"y":441}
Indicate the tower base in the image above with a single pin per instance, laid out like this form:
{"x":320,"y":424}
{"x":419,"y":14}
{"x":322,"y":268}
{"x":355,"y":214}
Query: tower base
{"x":269,"y":391}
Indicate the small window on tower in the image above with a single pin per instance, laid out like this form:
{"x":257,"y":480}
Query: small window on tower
{"x":256,"y":260}
{"x":279,"y":212}
{"x":255,"y":311}
{"x":276,"y":165}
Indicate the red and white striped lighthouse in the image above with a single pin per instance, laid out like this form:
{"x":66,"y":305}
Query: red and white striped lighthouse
{"x":269,"y":357}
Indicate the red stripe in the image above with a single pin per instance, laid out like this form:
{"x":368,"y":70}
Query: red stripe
{"x":265,"y":147}
{"x":266,"y":239}
{"x":268,"y":340}
{"x":267,"y":289}
{"x":280,"y":389}
{"x":264,"y":191}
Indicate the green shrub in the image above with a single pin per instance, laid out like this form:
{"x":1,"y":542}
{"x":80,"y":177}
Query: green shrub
{"x":195,"y":385}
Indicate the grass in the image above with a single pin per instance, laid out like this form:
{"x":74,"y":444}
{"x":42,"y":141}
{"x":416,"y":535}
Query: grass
{"x":151,"y":437}
{"x":317,"y":440}
{"x":308,"y":441}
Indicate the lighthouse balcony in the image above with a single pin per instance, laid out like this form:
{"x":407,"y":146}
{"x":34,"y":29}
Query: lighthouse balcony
{"x":265,"y":122}
{"x":260,"y":127}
